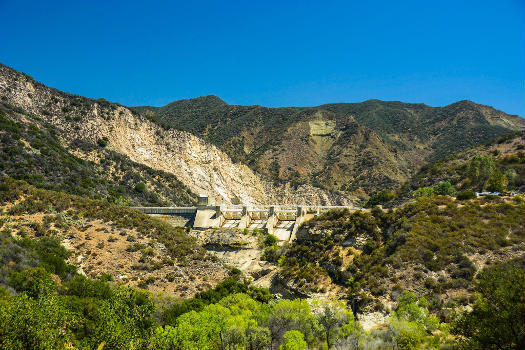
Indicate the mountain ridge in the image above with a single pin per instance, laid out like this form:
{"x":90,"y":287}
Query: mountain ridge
{"x":221,"y":101}
{"x":396,"y":138}
{"x":100,"y":125}
{"x":329,"y":154}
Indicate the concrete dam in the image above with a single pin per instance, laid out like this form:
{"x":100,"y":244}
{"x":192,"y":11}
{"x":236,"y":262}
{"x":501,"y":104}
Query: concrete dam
{"x":279,"y":220}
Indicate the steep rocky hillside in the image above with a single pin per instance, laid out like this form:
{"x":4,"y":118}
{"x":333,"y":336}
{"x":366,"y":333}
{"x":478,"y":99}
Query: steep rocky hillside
{"x":107,"y":134}
{"x":32,"y":150}
{"x":346,"y":147}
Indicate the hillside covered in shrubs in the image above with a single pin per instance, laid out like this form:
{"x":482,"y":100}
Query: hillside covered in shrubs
{"x":353,"y":148}
{"x":497,"y":166}
{"x":431,"y":246}
{"x":105,"y":238}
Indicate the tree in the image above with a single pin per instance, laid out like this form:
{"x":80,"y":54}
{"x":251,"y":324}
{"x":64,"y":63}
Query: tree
{"x":480,"y":170}
{"x":287,"y":315}
{"x":445,"y":188}
{"x":275,"y":169}
{"x":293,"y":340}
{"x":84,"y":287}
{"x":511,"y":176}
{"x":408,"y":337}
{"x":410,"y":321}
{"x":382,"y":197}
{"x":140,"y":187}
{"x":123,"y":321}
{"x":423,"y":192}
{"x":234,"y":333}
{"x":497,"y":182}
{"x":497,"y":320}
{"x":42,"y":323}
{"x":331,"y":315}
{"x":258,"y":338}
{"x":203,"y":330}
{"x":465,"y":195}
{"x":164,"y":338}
{"x":348,"y":336}
{"x":410,"y":308}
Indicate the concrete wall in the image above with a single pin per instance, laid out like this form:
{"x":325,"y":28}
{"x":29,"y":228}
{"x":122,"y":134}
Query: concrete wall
{"x":205,"y":216}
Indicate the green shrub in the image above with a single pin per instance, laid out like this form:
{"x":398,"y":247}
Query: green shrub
{"x":380,"y":198}
{"x":498,"y":316}
{"x":140,"y":187}
{"x":465,"y":195}
{"x":423,"y":192}
{"x":103,"y":142}
{"x":445,"y":188}
{"x":270,"y":240}
{"x":134,"y":247}
{"x":293,"y":340}
{"x":35,"y":282}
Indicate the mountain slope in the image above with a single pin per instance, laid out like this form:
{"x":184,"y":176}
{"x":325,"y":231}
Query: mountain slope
{"x":443,"y":129}
{"x":251,"y":154}
{"x":31,"y":150}
{"x":432,"y":246}
{"x":346,"y":147}
{"x":89,"y":128}
{"x":103,"y":238}
{"x":506,"y":151}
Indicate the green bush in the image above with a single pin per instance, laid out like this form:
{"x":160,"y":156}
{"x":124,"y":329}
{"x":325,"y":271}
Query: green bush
{"x":423,"y":192}
{"x":465,"y":195}
{"x":293,"y":340}
{"x":380,"y":198}
{"x":445,"y":188}
{"x":270,"y":240}
{"x":35,"y":282}
{"x":200,"y":300}
{"x":103,"y":142}
{"x":140,"y":187}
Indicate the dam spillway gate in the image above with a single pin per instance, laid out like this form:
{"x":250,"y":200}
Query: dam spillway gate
{"x":279,"y":220}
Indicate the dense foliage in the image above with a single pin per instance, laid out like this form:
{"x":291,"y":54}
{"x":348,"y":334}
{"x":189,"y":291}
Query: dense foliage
{"x":497,"y":320}
{"x":222,"y":290}
{"x":477,"y":169}
{"x":44,"y":311}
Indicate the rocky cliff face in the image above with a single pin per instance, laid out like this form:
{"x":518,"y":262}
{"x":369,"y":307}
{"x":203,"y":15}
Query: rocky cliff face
{"x":199,"y":165}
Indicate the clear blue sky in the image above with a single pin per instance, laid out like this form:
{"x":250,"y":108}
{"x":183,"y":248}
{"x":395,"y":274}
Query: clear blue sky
{"x":272,"y":53}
